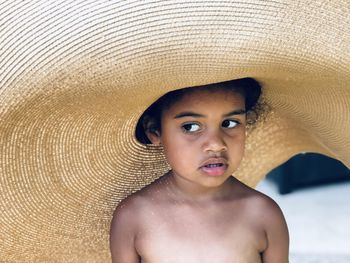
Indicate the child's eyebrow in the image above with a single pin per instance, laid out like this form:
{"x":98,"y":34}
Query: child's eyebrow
{"x":198,"y":115}
{"x":188,"y":114}
{"x":235,"y":112}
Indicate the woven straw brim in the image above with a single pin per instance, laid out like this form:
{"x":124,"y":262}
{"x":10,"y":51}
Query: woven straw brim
{"x":76,"y":75}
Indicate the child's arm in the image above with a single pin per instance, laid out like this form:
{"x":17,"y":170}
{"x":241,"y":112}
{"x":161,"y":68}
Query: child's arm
{"x":122,"y":235}
{"x":277,"y":236}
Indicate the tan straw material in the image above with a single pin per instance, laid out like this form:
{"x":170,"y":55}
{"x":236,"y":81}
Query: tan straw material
{"x":75,"y":75}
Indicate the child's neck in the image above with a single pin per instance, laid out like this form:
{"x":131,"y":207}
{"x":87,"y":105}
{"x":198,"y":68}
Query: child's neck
{"x":187,"y":191}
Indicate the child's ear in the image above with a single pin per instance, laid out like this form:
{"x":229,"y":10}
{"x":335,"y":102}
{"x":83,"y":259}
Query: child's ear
{"x":151,"y":130}
{"x":154,"y":136}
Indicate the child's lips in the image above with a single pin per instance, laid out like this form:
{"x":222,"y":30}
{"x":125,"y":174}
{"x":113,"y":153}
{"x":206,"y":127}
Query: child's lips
{"x":214,"y":166}
{"x":214,"y":170}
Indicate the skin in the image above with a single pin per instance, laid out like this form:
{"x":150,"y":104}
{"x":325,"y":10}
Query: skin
{"x":196,"y":213}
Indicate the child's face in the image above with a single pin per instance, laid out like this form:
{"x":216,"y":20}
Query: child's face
{"x":203,"y":136}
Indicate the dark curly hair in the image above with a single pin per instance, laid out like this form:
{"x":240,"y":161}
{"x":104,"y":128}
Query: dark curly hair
{"x":150,"y":120}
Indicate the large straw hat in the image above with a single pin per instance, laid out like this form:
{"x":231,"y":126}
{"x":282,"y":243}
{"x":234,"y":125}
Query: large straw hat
{"x":75,"y":75}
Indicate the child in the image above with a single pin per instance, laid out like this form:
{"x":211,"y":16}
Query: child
{"x":198,"y":212}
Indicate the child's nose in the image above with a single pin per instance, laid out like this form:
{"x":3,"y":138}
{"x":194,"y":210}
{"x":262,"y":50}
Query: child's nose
{"x":215,"y":142}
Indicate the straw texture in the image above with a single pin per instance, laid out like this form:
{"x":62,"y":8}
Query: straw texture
{"x":76,"y":75}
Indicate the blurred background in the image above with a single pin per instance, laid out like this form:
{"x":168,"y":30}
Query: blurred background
{"x":313,"y":192}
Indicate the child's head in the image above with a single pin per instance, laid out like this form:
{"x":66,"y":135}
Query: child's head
{"x":150,"y":120}
{"x":202,"y":129}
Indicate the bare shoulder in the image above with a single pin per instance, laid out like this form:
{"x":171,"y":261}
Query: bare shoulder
{"x":259,"y":204}
{"x":125,"y":212}
{"x":269,"y":212}
{"x":126,"y":223}
{"x":270,"y":219}
{"x":132,"y":209}
{"x":123,"y":231}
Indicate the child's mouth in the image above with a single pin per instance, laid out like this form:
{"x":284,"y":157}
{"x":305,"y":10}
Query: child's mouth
{"x":214,"y":169}
{"x":214,"y":165}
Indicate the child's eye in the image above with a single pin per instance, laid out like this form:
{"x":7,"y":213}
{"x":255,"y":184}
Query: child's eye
{"x":191,"y":127}
{"x":229,"y":123}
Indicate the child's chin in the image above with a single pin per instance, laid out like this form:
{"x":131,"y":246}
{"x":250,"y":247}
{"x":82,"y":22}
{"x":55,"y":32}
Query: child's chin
{"x":215,"y":181}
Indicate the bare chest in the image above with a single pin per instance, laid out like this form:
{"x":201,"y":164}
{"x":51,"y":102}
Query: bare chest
{"x":199,"y":236}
